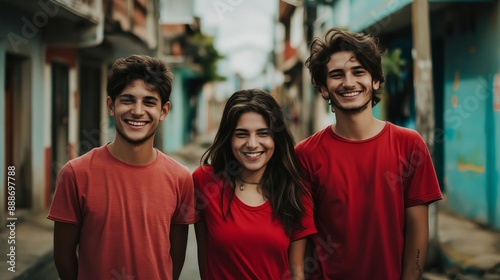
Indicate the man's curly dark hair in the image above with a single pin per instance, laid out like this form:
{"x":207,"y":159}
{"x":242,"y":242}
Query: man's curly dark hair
{"x":365,"y":47}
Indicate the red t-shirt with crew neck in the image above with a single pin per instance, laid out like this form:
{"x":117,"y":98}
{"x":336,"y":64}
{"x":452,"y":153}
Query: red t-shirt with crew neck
{"x":248,"y":243}
{"x":360,"y":191}
{"x":124,"y":213}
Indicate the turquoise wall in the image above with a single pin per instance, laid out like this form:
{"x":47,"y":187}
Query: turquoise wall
{"x":471,"y":159}
{"x":491,"y":38}
{"x":176,"y":127}
{"x":369,"y":14}
{"x":376,"y":15}
{"x":172,"y":128}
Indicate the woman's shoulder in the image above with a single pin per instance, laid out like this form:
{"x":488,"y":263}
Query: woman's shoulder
{"x":203,"y":169}
{"x":205,"y":173}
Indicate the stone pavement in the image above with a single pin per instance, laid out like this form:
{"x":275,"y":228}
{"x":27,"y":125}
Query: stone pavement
{"x":468,"y":250}
{"x":33,"y":246}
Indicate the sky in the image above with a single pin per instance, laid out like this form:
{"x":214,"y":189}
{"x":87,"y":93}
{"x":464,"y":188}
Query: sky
{"x":243,"y":32}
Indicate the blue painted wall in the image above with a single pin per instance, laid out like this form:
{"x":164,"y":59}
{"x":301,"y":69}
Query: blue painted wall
{"x":172,"y":128}
{"x":176,"y":127}
{"x":367,"y":14}
{"x":471,"y":159}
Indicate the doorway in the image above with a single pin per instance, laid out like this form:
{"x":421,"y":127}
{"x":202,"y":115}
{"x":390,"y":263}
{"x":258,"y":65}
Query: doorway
{"x":18,"y":126}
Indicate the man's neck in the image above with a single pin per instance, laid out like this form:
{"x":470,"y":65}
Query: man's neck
{"x":133,"y":154}
{"x":360,"y":126}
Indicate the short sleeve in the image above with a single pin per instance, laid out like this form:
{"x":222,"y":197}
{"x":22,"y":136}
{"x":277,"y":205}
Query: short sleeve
{"x":422,"y":185}
{"x":66,"y":204}
{"x":307,"y":221}
{"x":186,"y":213}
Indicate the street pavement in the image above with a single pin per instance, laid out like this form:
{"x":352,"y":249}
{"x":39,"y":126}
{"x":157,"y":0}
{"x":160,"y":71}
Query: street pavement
{"x":468,"y":251}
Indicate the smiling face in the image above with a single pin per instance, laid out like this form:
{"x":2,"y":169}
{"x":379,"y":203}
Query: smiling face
{"x":348,"y":84}
{"x":137,"y":111}
{"x":252,"y":145}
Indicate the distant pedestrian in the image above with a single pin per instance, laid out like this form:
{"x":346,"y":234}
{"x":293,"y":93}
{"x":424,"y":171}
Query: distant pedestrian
{"x":126,"y":206}
{"x":255,"y":210}
{"x":371,"y":180}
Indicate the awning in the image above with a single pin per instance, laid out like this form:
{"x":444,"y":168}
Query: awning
{"x":366,"y":13}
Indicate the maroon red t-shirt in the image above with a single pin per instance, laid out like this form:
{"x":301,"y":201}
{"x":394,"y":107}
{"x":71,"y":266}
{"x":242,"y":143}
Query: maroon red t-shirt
{"x":249,"y":243}
{"x":360,"y":191}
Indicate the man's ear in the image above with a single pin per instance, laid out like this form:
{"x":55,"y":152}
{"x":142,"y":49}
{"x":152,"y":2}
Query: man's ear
{"x":376,"y":85}
{"x":164,"y":110}
{"x":110,"y":106}
{"x":324,"y":93}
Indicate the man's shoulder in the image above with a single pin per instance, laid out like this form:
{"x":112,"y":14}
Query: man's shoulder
{"x":171,"y":164}
{"x":406,"y":138}
{"x":89,"y":158}
{"x":404,"y":132}
{"x":312,"y":141}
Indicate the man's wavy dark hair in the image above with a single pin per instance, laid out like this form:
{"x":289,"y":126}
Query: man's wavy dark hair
{"x":152,"y":71}
{"x":365,"y":47}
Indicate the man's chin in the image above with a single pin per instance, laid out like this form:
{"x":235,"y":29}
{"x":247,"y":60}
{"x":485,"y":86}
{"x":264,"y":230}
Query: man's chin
{"x":136,"y":141}
{"x":352,"y":110}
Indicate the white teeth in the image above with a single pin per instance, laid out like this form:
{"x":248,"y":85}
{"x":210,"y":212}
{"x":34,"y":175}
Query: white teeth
{"x":136,"y":123}
{"x":252,"y":154}
{"x":351,"y":94}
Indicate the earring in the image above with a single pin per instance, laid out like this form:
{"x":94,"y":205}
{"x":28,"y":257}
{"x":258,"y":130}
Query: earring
{"x":331,"y":106}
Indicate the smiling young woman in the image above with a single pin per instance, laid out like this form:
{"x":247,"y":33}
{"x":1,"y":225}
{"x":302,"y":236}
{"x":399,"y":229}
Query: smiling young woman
{"x":255,"y":210}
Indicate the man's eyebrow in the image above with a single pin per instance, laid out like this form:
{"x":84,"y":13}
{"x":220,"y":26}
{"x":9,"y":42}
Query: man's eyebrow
{"x":130,"y":96}
{"x":335,"y":70}
{"x":126,"y":96}
{"x":358,"y":67}
{"x":151,"y":98}
{"x":338,"y":70}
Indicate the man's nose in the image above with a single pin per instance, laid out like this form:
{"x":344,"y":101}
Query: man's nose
{"x":349,"y":81}
{"x":138,"y":108}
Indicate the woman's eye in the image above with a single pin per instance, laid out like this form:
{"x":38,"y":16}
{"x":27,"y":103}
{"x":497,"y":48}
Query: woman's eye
{"x":264,"y":134}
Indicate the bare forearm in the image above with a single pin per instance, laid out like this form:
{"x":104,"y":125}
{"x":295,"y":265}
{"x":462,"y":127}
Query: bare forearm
{"x":413,"y":264}
{"x":296,"y":258}
{"x":297,"y":272}
{"x":67,"y":266}
{"x":66,"y":238}
{"x":178,"y":243}
{"x":200,"y":230}
{"x":416,"y":240}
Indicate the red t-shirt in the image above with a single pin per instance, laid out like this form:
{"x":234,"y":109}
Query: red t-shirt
{"x":360,"y":191}
{"x":124,"y":213}
{"x":249,"y":243}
